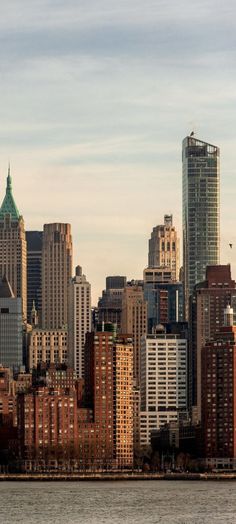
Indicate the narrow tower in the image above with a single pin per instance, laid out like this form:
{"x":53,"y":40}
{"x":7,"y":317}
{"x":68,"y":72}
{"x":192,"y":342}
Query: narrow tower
{"x":56,"y":274}
{"x":201,"y":211}
{"x":13,"y":246}
{"x":79,"y":323}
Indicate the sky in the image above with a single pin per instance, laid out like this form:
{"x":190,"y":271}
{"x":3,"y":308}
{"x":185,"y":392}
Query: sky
{"x":95,"y":99}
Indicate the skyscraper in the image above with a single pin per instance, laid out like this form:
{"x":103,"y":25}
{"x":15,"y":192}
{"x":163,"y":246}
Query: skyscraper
{"x":56,"y":274}
{"x":163,"y":382}
{"x":13,"y":246}
{"x":164,"y":247}
{"x":109,"y":393}
{"x":123,"y":401}
{"x":134,"y":321}
{"x":34,"y":272}
{"x":79,"y":323}
{"x":201,"y":211}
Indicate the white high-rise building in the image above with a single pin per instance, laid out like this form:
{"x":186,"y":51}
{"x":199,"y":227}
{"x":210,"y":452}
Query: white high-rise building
{"x":79,"y":309}
{"x":163,"y":381}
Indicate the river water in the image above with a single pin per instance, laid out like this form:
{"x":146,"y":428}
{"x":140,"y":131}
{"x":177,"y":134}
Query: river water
{"x":141,"y":502}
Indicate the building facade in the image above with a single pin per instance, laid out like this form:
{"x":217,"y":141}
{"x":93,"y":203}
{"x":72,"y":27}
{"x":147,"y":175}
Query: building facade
{"x":47,"y":424}
{"x":109,"y":394}
{"x":201,"y":211}
{"x":219,"y":396}
{"x":163,"y":381}
{"x":56,"y":275}
{"x":206,"y":317}
{"x":11,"y":327}
{"x":47,"y":347}
{"x":34,"y":273}
{"x":80,"y":320}
{"x":124,"y":416}
{"x":164,"y":247}
{"x":59,"y":427}
{"x":13,"y":252}
{"x":134,"y":321}
{"x":164,"y":298}
{"x":110,"y":304}
{"x":7,"y":398}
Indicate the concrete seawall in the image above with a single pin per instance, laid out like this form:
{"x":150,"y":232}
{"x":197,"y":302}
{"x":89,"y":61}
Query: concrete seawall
{"x":114,"y":476}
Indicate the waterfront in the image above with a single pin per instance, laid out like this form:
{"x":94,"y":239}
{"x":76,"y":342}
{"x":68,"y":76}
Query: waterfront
{"x":181,"y":502}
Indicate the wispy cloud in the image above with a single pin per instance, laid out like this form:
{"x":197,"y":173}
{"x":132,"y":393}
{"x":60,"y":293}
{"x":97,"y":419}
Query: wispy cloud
{"x":95,"y":98}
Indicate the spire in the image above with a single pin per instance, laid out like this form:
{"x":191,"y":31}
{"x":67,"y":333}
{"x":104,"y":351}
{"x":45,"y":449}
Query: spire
{"x":9,"y":206}
{"x":34,"y":315}
{"x":9,"y":180}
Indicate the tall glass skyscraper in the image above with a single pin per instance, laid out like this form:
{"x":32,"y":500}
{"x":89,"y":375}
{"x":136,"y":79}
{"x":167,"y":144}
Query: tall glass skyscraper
{"x":201,"y":211}
{"x":34,"y":273}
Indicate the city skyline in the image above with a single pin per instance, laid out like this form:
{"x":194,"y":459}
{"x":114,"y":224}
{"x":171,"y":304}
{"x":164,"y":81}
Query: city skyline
{"x":96,"y":290}
{"x":96,"y":101}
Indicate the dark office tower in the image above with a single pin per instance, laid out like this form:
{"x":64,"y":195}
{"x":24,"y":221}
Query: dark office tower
{"x":11,"y":327}
{"x":116,"y":282}
{"x":164,"y":297}
{"x":219,"y":396}
{"x":201,"y":211}
{"x":13,"y":246}
{"x":34,"y":272}
{"x":206,"y":317}
{"x":110,"y":304}
{"x":56,"y":274}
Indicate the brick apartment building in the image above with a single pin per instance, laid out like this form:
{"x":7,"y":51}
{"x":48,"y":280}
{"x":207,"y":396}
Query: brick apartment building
{"x":219,"y":396}
{"x":55,"y":425}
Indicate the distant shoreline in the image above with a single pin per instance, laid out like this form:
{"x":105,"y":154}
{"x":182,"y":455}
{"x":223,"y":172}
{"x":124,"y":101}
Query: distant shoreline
{"x":51,"y":477}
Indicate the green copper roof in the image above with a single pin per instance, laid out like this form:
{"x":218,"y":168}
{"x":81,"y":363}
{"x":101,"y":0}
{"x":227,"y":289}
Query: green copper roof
{"x":8,"y":206}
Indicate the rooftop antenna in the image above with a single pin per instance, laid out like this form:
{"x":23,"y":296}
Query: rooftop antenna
{"x":193,"y":127}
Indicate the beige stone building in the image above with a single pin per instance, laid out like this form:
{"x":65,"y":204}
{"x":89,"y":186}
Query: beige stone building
{"x":56,"y":274}
{"x":157,"y":275}
{"x":134,"y":321}
{"x":164,"y":247}
{"x":47,"y":347}
{"x":79,"y":321}
{"x":13,"y":252}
